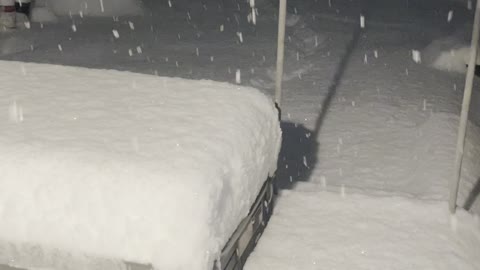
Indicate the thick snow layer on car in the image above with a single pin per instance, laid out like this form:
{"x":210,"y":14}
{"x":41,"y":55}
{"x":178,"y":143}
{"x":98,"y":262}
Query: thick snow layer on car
{"x":128,"y":166}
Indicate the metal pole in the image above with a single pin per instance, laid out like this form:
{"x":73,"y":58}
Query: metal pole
{"x":467,"y":94}
{"x":282,"y":14}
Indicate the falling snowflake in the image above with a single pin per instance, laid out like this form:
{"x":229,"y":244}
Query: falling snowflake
{"x":450,"y":16}
{"x":115,"y":33}
{"x":416,"y":56}
{"x":238,"y":76}
{"x":362,"y":21}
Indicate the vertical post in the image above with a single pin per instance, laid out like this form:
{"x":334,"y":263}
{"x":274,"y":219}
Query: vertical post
{"x":282,"y":14}
{"x":467,"y":94}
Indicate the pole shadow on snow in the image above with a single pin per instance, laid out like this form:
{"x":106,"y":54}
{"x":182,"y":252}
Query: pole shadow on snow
{"x":474,"y":194}
{"x":298,"y":154}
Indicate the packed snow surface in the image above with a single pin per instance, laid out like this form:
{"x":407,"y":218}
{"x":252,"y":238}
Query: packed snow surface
{"x":344,"y":231}
{"x":127,"y":166}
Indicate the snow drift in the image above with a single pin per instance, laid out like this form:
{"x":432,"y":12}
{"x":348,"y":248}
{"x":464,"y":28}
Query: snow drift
{"x":449,"y":54}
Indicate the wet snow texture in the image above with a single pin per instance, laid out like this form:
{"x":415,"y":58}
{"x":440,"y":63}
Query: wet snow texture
{"x":128,"y":166}
{"x":359,"y":112}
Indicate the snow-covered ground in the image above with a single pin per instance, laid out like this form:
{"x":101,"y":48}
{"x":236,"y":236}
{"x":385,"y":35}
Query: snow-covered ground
{"x":361,"y":114}
{"x":325,"y":230}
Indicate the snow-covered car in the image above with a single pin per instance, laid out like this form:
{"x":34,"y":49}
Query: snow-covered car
{"x":104,"y":169}
{"x":7,"y":14}
{"x":13,"y":12}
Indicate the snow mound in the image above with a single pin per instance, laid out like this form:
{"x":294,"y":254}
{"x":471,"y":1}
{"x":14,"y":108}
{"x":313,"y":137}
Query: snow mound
{"x":361,"y":232}
{"x":43,"y":15}
{"x":417,"y":149}
{"x":292,"y":19}
{"x":307,"y":41}
{"x":127,"y":166}
{"x":96,"y":7}
{"x":448,"y":54}
{"x":454,"y":60}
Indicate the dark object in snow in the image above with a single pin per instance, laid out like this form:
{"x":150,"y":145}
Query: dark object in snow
{"x":23,"y":6}
{"x":247,"y":234}
{"x":477,"y":70}
{"x":298,"y":155}
{"x":474,"y":194}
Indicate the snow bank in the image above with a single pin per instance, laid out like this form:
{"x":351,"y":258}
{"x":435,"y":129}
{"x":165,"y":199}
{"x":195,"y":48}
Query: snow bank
{"x":42,"y":15}
{"x":361,"y":232}
{"x":96,"y":7}
{"x":455,"y":60}
{"x":127,"y":166}
{"x":448,"y":54}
